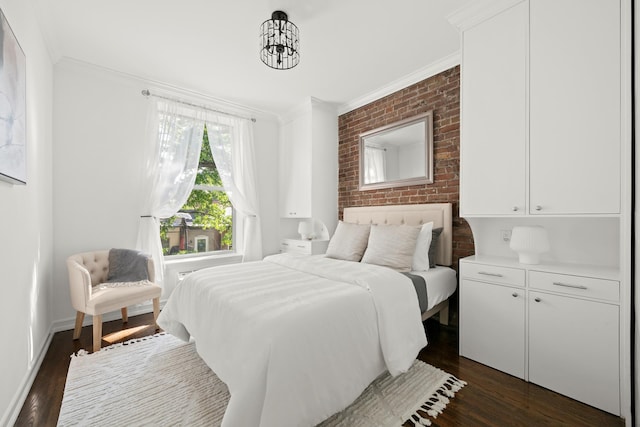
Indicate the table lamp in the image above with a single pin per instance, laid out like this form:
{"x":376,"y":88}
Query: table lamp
{"x":529,"y":242}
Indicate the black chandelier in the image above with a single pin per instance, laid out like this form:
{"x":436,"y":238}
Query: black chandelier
{"x":279,"y":42}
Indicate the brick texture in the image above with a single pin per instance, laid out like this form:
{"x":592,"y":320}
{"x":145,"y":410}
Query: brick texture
{"x":440,"y":93}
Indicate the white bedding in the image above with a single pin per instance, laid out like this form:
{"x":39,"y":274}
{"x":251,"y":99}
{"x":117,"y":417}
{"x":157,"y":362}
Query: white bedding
{"x":441,"y":283}
{"x":296,"y":338}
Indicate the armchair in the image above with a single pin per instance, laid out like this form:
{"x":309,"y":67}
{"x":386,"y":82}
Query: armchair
{"x":89,"y":270}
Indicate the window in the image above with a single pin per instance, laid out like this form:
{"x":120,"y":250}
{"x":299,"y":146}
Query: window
{"x":204,"y":224}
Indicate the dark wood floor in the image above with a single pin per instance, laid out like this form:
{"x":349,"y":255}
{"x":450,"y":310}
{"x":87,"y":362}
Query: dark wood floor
{"x":491,"y":398}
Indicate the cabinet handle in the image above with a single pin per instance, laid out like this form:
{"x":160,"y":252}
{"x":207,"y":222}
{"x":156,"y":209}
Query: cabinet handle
{"x":538,"y":207}
{"x":301,"y":246}
{"x":568,"y":285}
{"x":285,"y":244}
{"x":537,"y":299}
{"x":515,"y":295}
{"x":484,"y":273}
{"x":515,"y":208}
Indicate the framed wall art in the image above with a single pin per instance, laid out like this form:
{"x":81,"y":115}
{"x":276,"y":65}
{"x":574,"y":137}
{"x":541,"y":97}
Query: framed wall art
{"x":13,"y":141}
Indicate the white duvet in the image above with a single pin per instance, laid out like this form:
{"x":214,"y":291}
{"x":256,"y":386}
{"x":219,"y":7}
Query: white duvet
{"x":296,"y":338}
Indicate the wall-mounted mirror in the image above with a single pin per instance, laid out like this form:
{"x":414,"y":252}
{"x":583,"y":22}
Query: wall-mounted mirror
{"x":398,"y":154}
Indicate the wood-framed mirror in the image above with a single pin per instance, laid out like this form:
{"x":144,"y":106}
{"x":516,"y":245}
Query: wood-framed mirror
{"x":398,"y":154}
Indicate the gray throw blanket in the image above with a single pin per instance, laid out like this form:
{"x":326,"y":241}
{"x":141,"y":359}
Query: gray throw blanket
{"x":127,"y":265}
{"x":421,"y":290}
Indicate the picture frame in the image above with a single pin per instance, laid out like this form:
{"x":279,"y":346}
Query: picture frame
{"x":13,"y":140}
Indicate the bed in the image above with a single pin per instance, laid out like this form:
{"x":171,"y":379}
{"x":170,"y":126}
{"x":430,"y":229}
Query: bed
{"x":297,"y":338}
{"x":442,"y":280}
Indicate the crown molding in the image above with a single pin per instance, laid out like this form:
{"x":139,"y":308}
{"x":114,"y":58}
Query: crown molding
{"x":396,"y":85}
{"x":478,"y":11}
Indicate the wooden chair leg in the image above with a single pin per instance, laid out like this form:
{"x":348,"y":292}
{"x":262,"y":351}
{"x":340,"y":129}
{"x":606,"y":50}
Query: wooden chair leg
{"x":125,"y":318}
{"x":97,"y":332}
{"x":156,"y":311}
{"x":443,"y":316}
{"x":78,"y":328}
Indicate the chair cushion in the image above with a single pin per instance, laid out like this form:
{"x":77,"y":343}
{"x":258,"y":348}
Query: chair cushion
{"x":104,"y":299}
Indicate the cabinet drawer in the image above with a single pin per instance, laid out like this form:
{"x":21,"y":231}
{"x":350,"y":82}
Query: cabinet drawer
{"x":589,"y":287}
{"x":492,"y":273}
{"x":299,"y":246}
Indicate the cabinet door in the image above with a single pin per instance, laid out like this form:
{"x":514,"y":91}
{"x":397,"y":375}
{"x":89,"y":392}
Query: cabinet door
{"x":492,"y":327}
{"x":295,"y":168}
{"x":575,"y":107}
{"x":493,"y":117}
{"x":573,"y":348}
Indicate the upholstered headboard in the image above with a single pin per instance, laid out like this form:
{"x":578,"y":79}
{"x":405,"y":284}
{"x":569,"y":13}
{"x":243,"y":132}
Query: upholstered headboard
{"x":439,"y":213}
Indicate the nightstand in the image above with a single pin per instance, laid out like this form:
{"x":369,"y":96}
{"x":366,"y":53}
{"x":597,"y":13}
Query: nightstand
{"x":308,"y":247}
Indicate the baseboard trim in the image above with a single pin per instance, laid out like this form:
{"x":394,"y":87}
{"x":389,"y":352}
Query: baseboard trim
{"x":10,"y":417}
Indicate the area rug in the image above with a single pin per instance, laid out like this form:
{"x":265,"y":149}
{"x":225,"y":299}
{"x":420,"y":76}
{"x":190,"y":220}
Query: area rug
{"x":161,"y":381}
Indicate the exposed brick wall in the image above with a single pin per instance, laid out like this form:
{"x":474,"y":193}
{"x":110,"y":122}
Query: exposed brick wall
{"x":440,"y":93}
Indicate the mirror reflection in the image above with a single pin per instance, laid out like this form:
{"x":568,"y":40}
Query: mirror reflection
{"x":397,"y":155}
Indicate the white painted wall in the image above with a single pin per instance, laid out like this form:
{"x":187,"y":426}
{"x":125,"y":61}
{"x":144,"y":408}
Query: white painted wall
{"x":100,"y":121}
{"x":25,"y":215}
{"x":98,"y":159}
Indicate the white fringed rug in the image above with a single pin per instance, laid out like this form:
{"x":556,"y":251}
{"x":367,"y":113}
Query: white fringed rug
{"x":161,"y":381}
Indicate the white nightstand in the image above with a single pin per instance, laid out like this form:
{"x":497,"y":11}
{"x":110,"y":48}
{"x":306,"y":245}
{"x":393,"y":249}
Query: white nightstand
{"x":309,"y":247}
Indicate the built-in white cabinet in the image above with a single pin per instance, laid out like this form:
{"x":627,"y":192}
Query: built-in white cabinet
{"x":493,"y":331}
{"x":573,"y":348}
{"x":540,"y":109}
{"x":308,"y":163}
{"x":574,"y":98}
{"x":295,"y":170}
{"x":493,"y":115}
{"x":553,"y":325}
{"x":545,"y":140}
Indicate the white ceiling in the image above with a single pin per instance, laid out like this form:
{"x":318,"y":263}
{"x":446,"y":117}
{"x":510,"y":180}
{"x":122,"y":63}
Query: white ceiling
{"x":349,"y":48}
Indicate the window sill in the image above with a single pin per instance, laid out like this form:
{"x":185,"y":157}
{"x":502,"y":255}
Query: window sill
{"x":185,"y":262}
{"x":177,"y":268}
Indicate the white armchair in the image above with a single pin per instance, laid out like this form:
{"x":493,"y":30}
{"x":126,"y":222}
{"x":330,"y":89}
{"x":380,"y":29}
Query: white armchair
{"x":90,"y":269}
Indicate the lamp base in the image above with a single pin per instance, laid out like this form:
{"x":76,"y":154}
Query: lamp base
{"x":529,"y":258}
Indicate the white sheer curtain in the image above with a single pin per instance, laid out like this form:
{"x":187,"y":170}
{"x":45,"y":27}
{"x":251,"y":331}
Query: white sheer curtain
{"x":232,"y":148}
{"x":174,"y":138}
{"x":374,"y":165}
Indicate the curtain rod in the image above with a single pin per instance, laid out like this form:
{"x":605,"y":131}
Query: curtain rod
{"x":146,"y":92}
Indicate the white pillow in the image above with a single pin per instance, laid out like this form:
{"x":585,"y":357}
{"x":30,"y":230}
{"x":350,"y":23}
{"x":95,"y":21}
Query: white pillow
{"x":349,"y":241}
{"x":391,"y":246}
{"x":421,"y":255}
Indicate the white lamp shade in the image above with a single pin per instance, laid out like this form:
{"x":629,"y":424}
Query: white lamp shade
{"x":305,"y":228}
{"x":529,"y":242}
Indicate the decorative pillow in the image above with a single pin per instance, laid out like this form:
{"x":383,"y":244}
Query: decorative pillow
{"x":421,"y":254}
{"x":435,"y":236}
{"x":349,"y":241}
{"x":391,"y":246}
